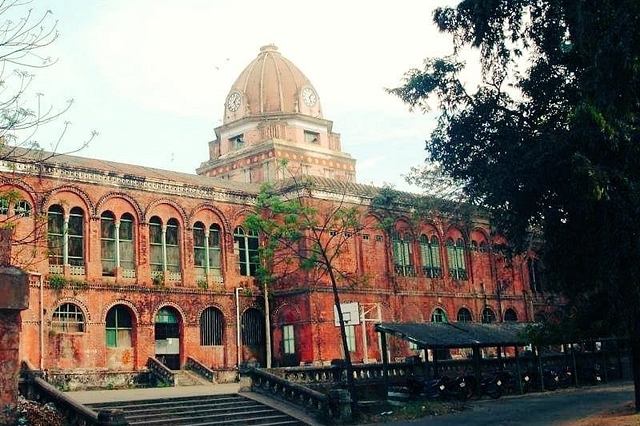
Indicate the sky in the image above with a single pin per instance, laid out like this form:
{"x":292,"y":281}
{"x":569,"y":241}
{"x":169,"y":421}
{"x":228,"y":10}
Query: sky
{"x":151,"y":77}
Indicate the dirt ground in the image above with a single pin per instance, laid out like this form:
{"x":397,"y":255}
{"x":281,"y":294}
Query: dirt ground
{"x":624,"y":415}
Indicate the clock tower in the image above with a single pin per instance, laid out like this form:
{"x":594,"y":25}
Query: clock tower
{"x":273,"y":114}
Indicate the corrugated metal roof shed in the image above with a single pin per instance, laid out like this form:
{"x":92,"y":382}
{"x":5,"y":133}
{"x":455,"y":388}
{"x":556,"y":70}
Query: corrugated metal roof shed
{"x":457,"y":335}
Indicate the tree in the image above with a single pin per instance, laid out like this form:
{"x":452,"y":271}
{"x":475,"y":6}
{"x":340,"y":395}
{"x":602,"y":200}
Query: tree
{"x":24,"y":38}
{"x":302,"y":240}
{"x":549,"y":141}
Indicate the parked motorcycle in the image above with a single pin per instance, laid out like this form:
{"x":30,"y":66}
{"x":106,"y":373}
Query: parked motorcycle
{"x":511,"y":383}
{"x":590,"y":375}
{"x":449,"y":388}
{"x":550,"y":379}
{"x":490,"y":384}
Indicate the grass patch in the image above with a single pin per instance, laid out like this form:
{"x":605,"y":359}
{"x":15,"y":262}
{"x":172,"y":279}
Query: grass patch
{"x":383,"y":412}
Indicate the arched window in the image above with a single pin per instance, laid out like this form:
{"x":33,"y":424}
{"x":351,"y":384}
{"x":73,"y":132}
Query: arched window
{"x":455,"y":255}
{"x":173,"y":246}
{"x":156,"y":261}
{"x":402,"y":251}
{"x":164,"y":246}
{"x":510,"y":315}
{"x":430,"y":256}
{"x":464,"y":315}
{"x":119,"y":327}
{"x":65,"y":236}
{"x":211,"y":327}
{"x":252,"y":328}
{"x":76,"y":237}
{"x":438,"y":315}
{"x":126,"y":254}
{"x":206,"y":249}
{"x":56,"y":235}
{"x":67,"y":318}
{"x":488,"y":316}
{"x":246,"y":246}
{"x":108,"y":243}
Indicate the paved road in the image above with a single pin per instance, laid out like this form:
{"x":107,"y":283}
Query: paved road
{"x":537,"y":409}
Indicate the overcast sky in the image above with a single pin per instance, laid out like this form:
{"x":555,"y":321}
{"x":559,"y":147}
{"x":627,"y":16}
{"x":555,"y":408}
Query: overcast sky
{"x":152,"y":76}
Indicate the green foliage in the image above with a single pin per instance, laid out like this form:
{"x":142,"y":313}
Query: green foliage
{"x":57,"y":282}
{"x":202,"y":283}
{"x":549,"y":140}
{"x":158,"y":280}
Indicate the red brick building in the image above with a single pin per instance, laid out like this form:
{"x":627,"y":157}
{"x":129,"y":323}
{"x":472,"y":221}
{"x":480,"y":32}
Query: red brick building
{"x":130,"y":262}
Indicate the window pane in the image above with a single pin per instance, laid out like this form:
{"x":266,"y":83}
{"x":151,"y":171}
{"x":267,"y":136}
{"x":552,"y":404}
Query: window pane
{"x":214,"y":236}
{"x":76,"y":221}
{"x":126,"y":228}
{"x":127,"y":258}
{"x":111,"y":338}
{"x":124,"y":338}
{"x":155,"y":232}
{"x":288,"y":339}
{"x":22,"y":208}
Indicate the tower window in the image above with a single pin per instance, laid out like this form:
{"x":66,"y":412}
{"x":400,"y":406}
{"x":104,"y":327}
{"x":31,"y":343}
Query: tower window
{"x":237,"y":142}
{"x":311,"y":137}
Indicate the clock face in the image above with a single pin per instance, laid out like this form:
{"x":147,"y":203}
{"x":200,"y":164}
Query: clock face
{"x":233,"y":102}
{"x":309,"y":96}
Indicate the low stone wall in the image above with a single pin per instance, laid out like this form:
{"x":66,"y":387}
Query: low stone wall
{"x":97,"y":379}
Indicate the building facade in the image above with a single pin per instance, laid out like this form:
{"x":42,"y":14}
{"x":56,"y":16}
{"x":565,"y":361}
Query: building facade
{"x":129,"y":262}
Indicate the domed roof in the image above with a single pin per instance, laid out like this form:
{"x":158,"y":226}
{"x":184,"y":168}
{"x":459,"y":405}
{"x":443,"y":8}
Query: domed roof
{"x":270,"y":85}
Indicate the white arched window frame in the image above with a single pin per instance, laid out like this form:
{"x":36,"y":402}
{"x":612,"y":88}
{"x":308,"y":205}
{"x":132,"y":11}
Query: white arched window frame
{"x":430,"y":256}
{"x":402,"y":254}
{"x":456,"y":259}
{"x":65,"y":237}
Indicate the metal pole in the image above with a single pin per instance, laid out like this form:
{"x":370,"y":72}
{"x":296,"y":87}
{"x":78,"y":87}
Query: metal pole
{"x":365,"y":347}
{"x":267,"y":324}
{"x":238,"y":346}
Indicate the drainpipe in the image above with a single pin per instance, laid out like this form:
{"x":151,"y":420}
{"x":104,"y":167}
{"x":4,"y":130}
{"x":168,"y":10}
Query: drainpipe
{"x":267,"y":323}
{"x":41,"y":331}
{"x":238,"y":347}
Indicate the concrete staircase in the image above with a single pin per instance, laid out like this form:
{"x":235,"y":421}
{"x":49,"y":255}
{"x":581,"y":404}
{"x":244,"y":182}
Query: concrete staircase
{"x":189,"y":378}
{"x":231,"y":409}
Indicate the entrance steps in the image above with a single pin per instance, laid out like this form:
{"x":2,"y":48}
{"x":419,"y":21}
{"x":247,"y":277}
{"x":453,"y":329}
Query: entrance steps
{"x":189,"y":378}
{"x":207,"y":410}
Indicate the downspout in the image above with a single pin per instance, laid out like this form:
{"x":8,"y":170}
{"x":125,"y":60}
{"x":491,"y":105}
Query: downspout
{"x":41,"y":315}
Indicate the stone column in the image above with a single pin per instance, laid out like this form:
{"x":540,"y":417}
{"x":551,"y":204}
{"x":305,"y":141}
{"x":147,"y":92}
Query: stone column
{"x":14,"y":297}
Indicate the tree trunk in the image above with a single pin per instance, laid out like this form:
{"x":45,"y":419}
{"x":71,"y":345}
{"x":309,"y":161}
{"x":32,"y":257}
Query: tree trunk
{"x":351,"y":385}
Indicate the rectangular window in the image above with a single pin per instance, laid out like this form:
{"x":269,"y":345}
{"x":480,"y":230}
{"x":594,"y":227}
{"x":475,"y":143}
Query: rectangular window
{"x":172,"y":247}
{"x":127,"y":256}
{"x":402,"y":253}
{"x":311,"y":137}
{"x":155,"y":247}
{"x":75,"y":235}
{"x":350,"y":332}
{"x":237,"y":142}
{"x":288,"y":340}
{"x":413,"y":346}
